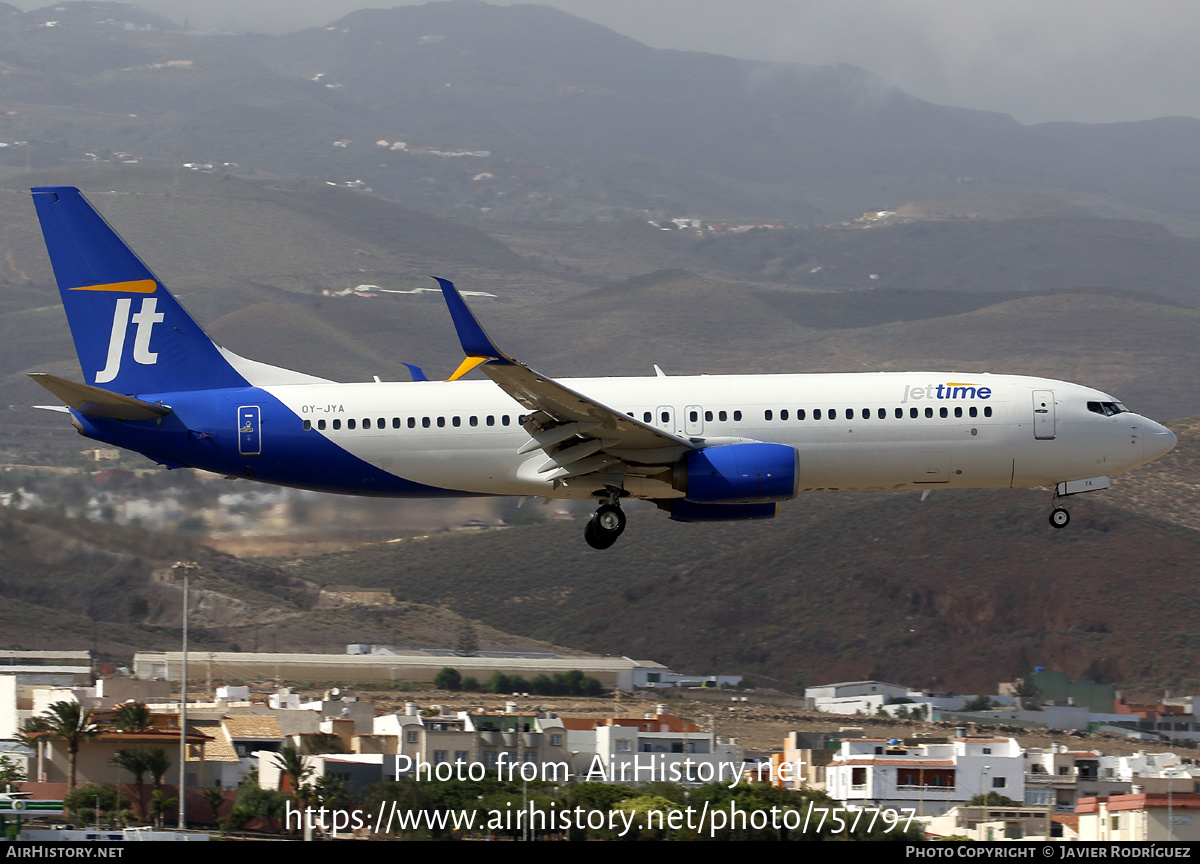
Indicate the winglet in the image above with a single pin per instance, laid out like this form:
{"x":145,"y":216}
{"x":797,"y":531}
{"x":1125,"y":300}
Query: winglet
{"x":476,"y":343}
{"x":418,"y":374}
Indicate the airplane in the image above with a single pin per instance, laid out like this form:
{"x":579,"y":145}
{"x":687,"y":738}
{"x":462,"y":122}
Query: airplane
{"x":703,"y":448}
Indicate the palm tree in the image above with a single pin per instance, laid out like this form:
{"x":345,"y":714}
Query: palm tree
{"x":292,"y":763}
{"x":160,"y":803}
{"x":71,"y":723}
{"x":157,"y":764}
{"x":132,"y":717}
{"x":135,"y":760}
{"x":214,"y":797}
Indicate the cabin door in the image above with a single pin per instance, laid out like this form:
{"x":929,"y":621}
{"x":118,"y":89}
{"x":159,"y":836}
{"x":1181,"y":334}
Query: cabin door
{"x":1043,"y":414}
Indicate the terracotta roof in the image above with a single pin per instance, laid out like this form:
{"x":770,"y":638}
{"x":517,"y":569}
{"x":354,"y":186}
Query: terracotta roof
{"x":673,"y":723}
{"x":253,"y":727}
{"x":1071,"y":820}
{"x":220,"y":749}
{"x":578,"y":723}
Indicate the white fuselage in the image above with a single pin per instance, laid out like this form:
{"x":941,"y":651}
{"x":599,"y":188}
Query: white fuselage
{"x":852,"y":431}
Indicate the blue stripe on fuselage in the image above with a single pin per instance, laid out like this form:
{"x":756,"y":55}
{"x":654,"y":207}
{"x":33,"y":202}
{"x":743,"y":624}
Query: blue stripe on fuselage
{"x":202,"y":432}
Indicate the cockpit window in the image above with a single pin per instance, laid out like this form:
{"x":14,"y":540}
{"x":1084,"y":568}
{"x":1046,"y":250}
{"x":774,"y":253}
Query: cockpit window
{"x":1108,"y":409}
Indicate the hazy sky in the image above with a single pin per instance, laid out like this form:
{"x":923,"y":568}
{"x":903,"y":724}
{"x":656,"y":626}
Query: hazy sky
{"x":1085,"y":60}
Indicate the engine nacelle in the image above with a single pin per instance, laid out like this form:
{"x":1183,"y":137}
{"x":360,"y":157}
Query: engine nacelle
{"x":752,"y":472}
{"x":682,"y":510}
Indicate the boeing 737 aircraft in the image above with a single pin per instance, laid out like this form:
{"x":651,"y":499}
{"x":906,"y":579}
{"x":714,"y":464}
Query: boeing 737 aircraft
{"x":703,"y":448}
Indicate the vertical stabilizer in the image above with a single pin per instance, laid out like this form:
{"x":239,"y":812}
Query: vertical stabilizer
{"x":131,"y":335}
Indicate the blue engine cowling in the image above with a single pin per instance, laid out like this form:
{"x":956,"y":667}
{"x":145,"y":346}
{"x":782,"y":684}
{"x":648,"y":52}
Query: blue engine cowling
{"x":750,"y":472}
{"x":683,"y":510}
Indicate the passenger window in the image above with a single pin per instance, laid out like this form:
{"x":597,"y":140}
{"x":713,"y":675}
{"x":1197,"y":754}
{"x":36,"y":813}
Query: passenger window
{"x":337,"y":424}
{"x":800,"y":414}
{"x":849,"y":413}
{"x":455,"y":421}
{"x":382,"y":423}
{"x":987,"y":411}
{"x":504,"y":420}
{"x":832,"y":413}
{"x":866,"y":413}
{"x":412,"y":422}
{"x":783,"y":415}
{"x":350,"y":424}
{"x":647,"y":417}
{"x":474,"y":421}
{"x":912,"y":412}
{"x":666,"y":417}
{"x":425,"y":422}
{"x":441,"y":421}
{"x":816,"y":413}
{"x":974,"y":412}
{"x":928,"y":412}
{"x":307,"y":425}
{"x":943,"y":412}
{"x":768,"y":414}
{"x":737,"y":416}
{"x":707,"y":416}
{"x":321,"y":425}
{"x":366,"y":422}
{"x":520,"y":419}
{"x":694,"y":416}
{"x":882,"y":413}
{"x":722,"y":416}
{"x":491,"y":420}
{"x":396,"y":422}
{"x":957,"y":410}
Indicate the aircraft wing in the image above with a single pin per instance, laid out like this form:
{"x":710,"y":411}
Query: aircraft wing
{"x":561,"y":414}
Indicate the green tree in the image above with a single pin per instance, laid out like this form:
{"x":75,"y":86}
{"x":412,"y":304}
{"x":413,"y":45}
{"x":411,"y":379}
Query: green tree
{"x":993,"y":799}
{"x":448,"y":679}
{"x":214,"y":797}
{"x":132,"y":717}
{"x":252,"y":802}
{"x":157,"y":764}
{"x":135,"y":760}
{"x":1028,"y":694}
{"x":295,"y":768}
{"x":10,"y":773}
{"x":468,"y":641}
{"x":979,"y":703}
{"x":72,"y":724}
{"x":329,"y":791}
{"x":96,"y":798}
{"x":160,"y":803}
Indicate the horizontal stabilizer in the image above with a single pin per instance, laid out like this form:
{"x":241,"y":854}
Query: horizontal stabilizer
{"x":95,"y":402}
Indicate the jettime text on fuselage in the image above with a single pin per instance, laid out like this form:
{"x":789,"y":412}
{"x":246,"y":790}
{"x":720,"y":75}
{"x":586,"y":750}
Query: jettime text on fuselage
{"x":949,"y":390}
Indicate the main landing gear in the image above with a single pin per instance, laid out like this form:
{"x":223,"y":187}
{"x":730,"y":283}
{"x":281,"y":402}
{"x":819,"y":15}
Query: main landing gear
{"x":607,"y":522}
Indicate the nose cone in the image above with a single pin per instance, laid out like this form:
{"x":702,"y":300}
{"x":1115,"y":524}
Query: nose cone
{"x":1159,"y":440}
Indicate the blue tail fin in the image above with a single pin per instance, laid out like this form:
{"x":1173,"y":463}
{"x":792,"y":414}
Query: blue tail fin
{"x":131,"y":335}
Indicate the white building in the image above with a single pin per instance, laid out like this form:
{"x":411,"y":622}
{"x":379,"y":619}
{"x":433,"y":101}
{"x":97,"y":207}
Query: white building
{"x":925,"y":774}
{"x":654,"y":747}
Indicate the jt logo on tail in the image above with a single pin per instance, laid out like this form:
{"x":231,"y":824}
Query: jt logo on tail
{"x":145,"y":319}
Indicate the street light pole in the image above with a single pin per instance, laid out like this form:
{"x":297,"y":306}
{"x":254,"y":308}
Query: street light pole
{"x":185,"y":567}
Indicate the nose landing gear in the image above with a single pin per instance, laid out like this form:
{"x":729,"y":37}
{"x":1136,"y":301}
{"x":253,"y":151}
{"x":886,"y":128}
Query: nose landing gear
{"x":606,"y":524}
{"x":1059,"y":517}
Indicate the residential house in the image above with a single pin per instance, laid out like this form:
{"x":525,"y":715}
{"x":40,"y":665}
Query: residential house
{"x":930,"y":775}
